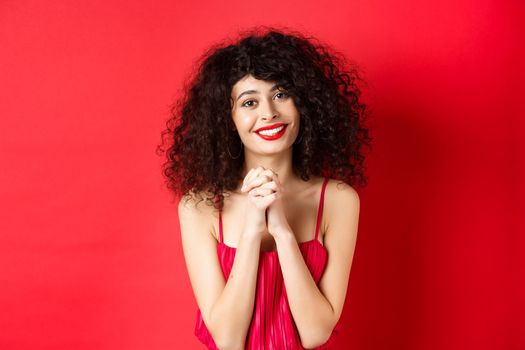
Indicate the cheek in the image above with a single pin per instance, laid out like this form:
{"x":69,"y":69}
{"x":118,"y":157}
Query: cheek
{"x":243,"y":126}
{"x":237,"y":121}
{"x":297,"y":120}
{"x":243,"y":122}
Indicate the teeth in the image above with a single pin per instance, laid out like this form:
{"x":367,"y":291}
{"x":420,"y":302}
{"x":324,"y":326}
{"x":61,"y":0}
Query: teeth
{"x":271,"y":132}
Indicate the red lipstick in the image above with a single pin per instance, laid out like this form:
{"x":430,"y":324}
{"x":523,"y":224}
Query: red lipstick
{"x":274,"y":136}
{"x":273,"y":126}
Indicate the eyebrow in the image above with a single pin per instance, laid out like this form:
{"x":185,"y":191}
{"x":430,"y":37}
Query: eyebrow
{"x":274,"y":87}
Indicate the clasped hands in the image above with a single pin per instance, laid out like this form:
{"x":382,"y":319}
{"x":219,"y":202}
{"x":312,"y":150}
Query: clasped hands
{"x":265,"y":192}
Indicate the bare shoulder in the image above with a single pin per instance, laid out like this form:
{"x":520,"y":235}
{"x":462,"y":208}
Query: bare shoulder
{"x":339,"y":192}
{"x":194,"y":204}
{"x":194,"y":211}
{"x":341,"y":200}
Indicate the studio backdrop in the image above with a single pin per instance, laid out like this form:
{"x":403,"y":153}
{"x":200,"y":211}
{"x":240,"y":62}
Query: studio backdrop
{"x":90,"y":249}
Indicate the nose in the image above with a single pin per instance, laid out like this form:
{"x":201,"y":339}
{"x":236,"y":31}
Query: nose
{"x":268,"y":111}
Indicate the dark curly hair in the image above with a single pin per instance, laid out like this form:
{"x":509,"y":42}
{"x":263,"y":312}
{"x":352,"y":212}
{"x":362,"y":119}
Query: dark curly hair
{"x":323,"y":86}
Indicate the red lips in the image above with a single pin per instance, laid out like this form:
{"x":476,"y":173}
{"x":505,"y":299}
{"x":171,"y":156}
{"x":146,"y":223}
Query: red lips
{"x":273,"y":137}
{"x":273,"y":126}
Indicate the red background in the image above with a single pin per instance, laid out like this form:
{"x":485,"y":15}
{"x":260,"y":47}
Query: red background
{"x":90,"y":252}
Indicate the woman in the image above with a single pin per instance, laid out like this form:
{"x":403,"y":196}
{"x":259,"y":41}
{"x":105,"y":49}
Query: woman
{"x":270,"y":134}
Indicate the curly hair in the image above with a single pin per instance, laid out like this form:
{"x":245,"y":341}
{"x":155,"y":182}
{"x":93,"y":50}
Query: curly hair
{"x":200,"y":130}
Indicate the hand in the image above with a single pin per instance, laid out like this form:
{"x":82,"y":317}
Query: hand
{"x":277,"y":222}
{"x":261,"y":187}
{"x":261,"y":192}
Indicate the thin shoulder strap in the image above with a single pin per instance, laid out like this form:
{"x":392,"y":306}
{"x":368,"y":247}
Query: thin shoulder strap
{"x":220,"y":227}
{"x":320,"y":209}
{"x":217,"y":199}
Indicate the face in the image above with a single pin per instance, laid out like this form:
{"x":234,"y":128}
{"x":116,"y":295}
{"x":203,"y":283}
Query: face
{"x":259,"y":104}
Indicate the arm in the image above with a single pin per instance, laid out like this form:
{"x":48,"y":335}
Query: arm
{"x":317,"y":310}
{"x":226,"y":307}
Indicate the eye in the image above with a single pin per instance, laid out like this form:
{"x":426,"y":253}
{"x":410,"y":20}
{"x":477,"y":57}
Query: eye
{"x":245,"y":103}
{"x":282,"y":93}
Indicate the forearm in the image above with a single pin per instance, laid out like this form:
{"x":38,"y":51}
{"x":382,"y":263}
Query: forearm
{"x":311,"y":311}
{"x":232,"y":312}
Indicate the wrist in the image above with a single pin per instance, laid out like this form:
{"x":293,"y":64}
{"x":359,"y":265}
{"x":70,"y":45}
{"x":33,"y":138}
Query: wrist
{"x":253,"y":235}
{"x":283,"y":235}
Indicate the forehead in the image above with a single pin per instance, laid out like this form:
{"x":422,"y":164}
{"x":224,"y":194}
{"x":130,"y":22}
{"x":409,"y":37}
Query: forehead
{"x":249,"y":82}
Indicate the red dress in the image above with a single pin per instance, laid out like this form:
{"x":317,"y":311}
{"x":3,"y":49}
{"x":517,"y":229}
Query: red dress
{"x":272,"y":326}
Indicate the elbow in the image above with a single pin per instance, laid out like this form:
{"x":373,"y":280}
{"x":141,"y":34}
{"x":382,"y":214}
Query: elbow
{"x":313,"y":343}
{"x":315,"y":339}
{"x":228,"y":344}
{"x":226,"y":335}
{"x":226,"y":340}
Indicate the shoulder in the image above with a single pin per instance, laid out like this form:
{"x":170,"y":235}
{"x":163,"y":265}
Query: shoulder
{"x":340,"y":200}
{"x":337,"y":191}
{"x":193,"y":210}
{"x":195,"y":202}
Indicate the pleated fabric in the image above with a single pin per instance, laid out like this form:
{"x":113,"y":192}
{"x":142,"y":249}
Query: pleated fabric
{"x":272,"y":326}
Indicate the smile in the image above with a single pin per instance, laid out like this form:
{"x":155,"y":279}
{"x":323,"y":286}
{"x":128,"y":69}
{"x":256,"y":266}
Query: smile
{"x":272,"y":134}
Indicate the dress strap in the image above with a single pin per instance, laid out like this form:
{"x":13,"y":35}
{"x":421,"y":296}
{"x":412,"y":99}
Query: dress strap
{"x":220,"y":227}
{"x":320,"y":209}
{"x":217,"y":199}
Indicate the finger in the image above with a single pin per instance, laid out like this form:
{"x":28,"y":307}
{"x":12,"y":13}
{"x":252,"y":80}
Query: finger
{"x":275,"y":177}
{"x":271,"y":185}
{"x":246,"y":177}
{"x":258,"y":181}
{"x":255,"y":173}
{"x":269,"y":199}
{"x":269,"y":172}
{"x":262,"y":192}
{"x":248,"y":174}
{"x":251,"y":174}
